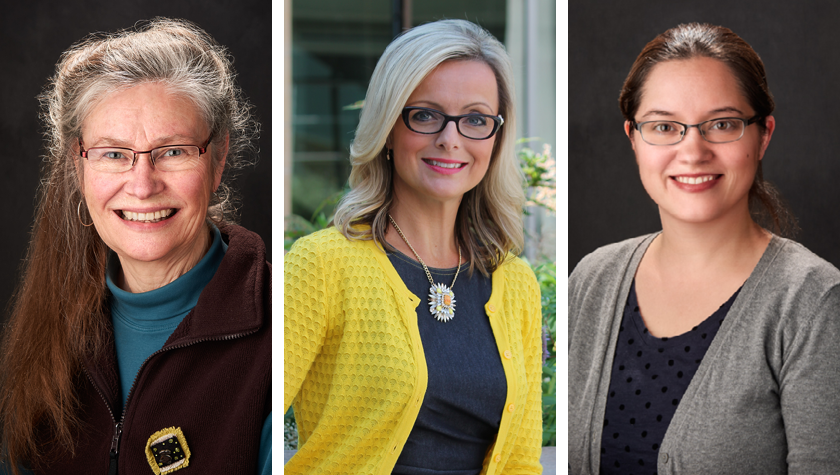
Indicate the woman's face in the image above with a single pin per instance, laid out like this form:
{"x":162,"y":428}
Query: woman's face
{"x":442,"y":167}
{"x":695,"y":180}
{"x":142,"y":118}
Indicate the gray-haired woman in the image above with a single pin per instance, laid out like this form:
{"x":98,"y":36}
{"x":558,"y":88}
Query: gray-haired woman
{"x":140,"y":338}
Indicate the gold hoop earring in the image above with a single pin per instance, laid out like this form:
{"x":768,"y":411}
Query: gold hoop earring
{"x":79,"y":214}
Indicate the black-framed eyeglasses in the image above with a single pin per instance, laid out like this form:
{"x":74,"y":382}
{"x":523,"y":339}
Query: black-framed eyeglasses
{"x":430,"y":121}
{"x":167,"y":158}
{"x":670,"y":132}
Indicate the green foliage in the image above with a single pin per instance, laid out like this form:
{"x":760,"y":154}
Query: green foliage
{"x":547,"y":277}
{"x":297,"y":226}
{"x":540,"y":172}
{"x":290,"y":434}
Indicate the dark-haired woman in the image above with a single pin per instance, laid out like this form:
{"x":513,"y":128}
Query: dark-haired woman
{"x":709,"y":347}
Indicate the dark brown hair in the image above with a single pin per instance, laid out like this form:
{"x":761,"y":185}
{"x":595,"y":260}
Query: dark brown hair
{"x":694,"y":40}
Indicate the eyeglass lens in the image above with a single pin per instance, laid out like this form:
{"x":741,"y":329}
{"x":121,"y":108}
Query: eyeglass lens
{"x":665,"y":132}
{"x":474,"y":126}
{"x":169,"y":158}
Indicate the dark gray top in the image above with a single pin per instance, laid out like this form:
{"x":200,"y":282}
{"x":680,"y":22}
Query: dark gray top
{"x":764,"y":399}
{"x":465,"y":397}
{"x":649,"y":377}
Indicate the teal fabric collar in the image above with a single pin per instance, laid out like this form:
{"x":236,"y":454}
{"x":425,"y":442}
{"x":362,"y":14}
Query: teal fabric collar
{"x":153,"y":308}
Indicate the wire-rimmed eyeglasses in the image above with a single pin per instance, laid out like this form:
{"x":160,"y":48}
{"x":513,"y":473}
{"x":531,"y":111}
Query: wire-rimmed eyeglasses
{"x":167,"y":158}
{"x":424,"y":120}
{"x":670,"y":132}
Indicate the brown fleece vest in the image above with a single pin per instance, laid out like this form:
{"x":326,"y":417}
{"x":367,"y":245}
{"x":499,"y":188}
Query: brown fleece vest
{"x":211,"y":381}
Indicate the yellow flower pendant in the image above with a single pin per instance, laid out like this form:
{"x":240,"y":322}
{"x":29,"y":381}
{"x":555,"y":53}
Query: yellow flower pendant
{"x":442,"y":302}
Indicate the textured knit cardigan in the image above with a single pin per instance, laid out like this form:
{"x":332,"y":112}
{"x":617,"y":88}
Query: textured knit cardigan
{"x":354,"y":365}
{"x":765,"y":399}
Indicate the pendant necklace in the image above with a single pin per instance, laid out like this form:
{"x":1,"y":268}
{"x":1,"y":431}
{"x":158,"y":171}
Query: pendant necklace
{"x":441,"y":297}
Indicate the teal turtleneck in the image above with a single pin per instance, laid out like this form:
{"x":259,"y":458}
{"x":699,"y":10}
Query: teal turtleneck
{"x":143,"y":321}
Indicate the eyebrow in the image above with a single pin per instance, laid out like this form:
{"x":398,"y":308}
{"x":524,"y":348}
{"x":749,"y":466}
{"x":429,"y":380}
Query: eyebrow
{"x":435,"y":105}
{"x":715,"y":111}
{"x":120,"y":143}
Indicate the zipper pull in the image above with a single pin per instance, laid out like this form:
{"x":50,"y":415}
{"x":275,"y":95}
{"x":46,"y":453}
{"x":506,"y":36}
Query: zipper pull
{"x":115,"y":444}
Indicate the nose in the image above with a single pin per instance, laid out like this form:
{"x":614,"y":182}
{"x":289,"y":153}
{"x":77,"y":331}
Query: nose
{"x":449,"y":138}
{"x":143,"y":179}
{"x":693,"y":147}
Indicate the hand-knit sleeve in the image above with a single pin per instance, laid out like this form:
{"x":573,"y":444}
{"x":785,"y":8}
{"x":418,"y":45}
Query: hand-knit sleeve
{"x":809,"y":386}
{"x":304,"y":314}
{"x":527,"y":446}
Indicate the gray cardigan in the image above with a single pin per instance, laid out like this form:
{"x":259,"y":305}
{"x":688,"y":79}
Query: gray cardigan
{"x":765,"y":397}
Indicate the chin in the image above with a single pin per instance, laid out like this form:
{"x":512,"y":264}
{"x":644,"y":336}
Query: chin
{"x":143,"y":254}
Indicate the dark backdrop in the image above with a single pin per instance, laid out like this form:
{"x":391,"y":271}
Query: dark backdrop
{"x":799,"y":43}
{"x":33,"y":34}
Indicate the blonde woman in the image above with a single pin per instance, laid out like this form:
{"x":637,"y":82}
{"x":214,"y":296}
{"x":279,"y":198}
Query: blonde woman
{"x":412,"y":332}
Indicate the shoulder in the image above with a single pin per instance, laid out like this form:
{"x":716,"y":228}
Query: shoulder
{"x":516,"y":268}
{"x":329,"y":242}
{"x":791,"y":276}
{"x":792,"y":263}
{"x":331,"y":254}
{"x":518,"y":277}
{"x":607,"y":262}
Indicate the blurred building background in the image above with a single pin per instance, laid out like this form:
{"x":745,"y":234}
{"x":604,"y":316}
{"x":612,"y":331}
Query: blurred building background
{"x":332,"y":47}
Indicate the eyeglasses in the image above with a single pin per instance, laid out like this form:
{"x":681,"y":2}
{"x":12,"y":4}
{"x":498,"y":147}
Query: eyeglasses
{"x":168,"y":158}
{"x":669,"y":132}
{"x":430,"y":121}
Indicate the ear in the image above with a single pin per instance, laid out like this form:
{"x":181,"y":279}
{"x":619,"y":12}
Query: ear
{"x":769,"y":127}
{"x":220,"y":167}
{"x":629,"y":132}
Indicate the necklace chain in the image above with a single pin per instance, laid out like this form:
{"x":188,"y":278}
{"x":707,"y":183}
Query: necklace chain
{"x":428,"y":274}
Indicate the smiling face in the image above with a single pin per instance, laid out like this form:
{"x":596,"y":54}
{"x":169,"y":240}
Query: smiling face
{"x":143,"y":214}
{"x":442,"y":167}
{"x":695,"y":180}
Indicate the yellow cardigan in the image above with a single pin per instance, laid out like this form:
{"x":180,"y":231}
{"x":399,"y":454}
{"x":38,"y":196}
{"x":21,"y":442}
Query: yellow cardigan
{"x":354,"y":366}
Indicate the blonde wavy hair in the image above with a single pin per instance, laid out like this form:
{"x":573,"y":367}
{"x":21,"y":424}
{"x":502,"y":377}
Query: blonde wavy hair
{"x":489,"y":220}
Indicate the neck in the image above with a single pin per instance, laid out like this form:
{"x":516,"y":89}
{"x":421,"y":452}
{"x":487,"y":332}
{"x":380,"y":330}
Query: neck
{"x":729,"y":242}
{"x":429,"y":229}
{"x":140,"y":276}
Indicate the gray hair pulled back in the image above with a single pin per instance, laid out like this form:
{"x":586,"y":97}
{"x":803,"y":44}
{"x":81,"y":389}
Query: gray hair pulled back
{"x":175,"y":53}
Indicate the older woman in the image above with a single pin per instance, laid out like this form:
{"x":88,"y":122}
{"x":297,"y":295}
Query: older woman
{"x":711,"y":346}
{"x":140,"y":337}
{"x":386,"y":372}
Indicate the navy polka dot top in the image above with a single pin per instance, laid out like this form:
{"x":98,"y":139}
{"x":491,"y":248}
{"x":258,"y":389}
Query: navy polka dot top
{"x":649,"y":377}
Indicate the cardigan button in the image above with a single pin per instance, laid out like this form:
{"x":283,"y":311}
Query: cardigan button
{"x":511,"y":408}
{"x":508,"y":354}
{"x":664,"y":458}
{"x":498,"y":458}
{"x":492,"y":308}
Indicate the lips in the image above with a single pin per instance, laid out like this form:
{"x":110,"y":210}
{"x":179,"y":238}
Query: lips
{"x":150,"y":217}
{"x":450,"y":164}
{"x":695,"y":180}
{"x":444,"y":166}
